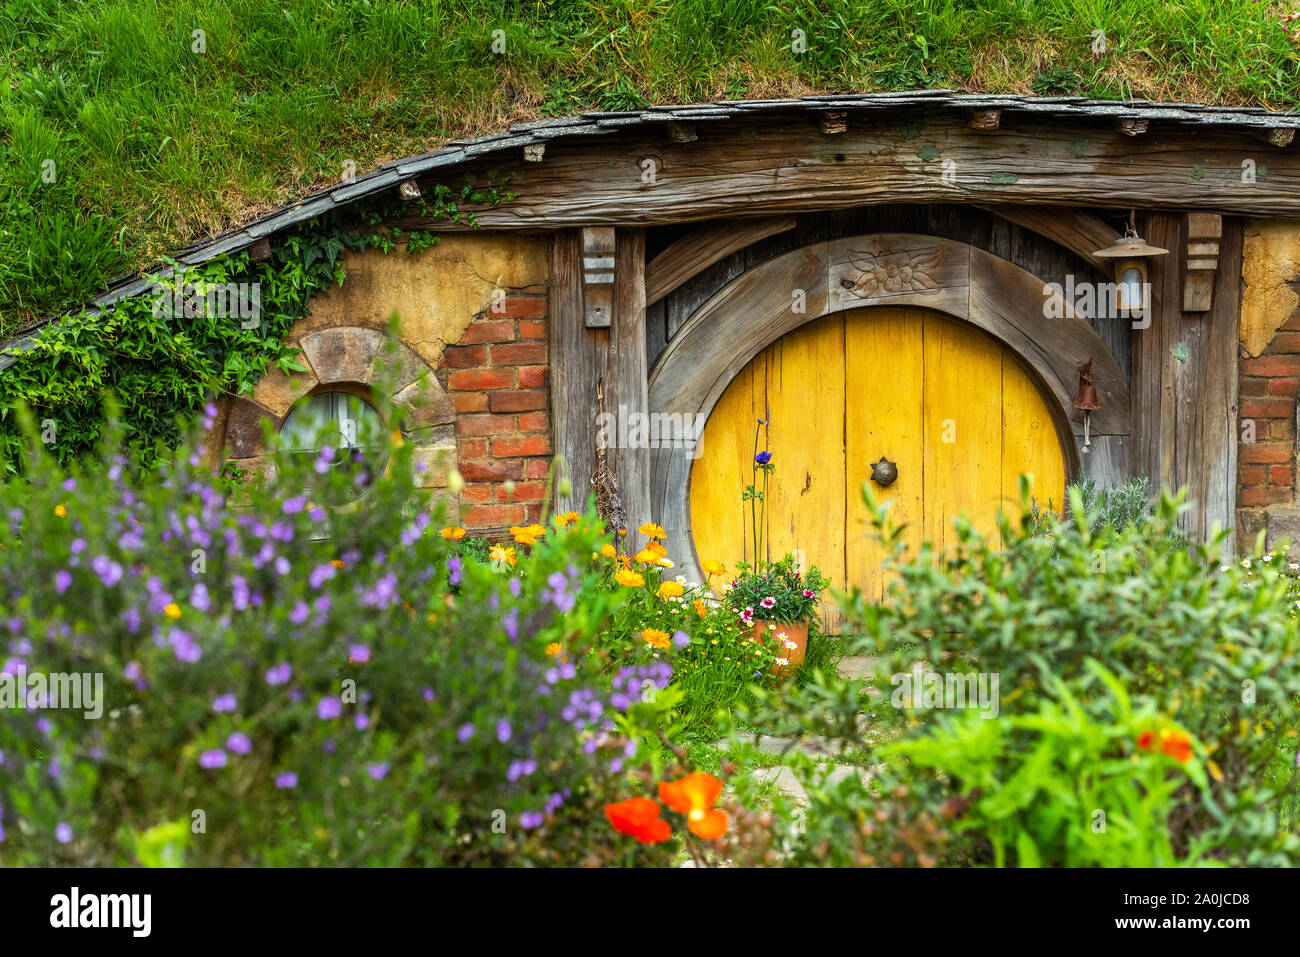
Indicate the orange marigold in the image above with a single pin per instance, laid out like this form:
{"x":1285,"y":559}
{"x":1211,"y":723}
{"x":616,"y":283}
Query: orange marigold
{"x":608,"y":550}
{"x":567,"y":518}
{"x":655,"y":638}
{"x":651,"y":530}
{"x":694,"y":796}
{"x":453,"y":532}
{"x":671,"y":589}
{"x":713,"y":567}
{"x":639,"y":818}
{"x":1176,"y":744}
{"x":629,"y":578}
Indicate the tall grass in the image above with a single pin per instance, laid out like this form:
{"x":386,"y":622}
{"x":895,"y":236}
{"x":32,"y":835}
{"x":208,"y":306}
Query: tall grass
{"x":155,"y":144}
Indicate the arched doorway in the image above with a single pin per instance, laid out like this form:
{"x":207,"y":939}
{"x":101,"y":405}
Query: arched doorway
{"x":952,"y":406}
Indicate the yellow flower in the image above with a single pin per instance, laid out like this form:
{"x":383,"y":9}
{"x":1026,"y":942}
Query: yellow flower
{"x":501,"y":553}
{"x":554,"y":648}
{"x":655,"y":638}
{"x":647,"y":557}
{"x":173,"y":610}
{"x":651,"y":530}
{"x":671,"y":589}
{"x":629,"y":578}
{"x":60,"y":510}
{"x":453,"y":532}
{"x":713,"y":567}
{"x":527,"y":534}
{"x":568,"y":518}
{"x":608,"y":550}
{"x":339,"y":563}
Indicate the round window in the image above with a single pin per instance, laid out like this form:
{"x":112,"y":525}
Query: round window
{"x":331,"y":433}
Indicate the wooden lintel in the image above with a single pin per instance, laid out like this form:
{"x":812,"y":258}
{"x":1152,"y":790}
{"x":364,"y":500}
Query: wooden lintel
{"x":680,"y":132}
{"x":1204,"y":230}
{"x":598,"y":276}
{"x":534,"y":152}
{"x":1131,"y":125}
{"x":834,"y":121}
{"x":983,"y":119}
{"x":1077,"y":230}
{"x":704,"y":246}
{"x":1278,"y":136}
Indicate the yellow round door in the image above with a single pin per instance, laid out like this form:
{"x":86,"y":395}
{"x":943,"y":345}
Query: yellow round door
{"x":943,"y":400}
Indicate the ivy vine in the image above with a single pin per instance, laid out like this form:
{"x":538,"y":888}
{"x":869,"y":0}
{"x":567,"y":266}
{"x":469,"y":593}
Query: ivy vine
{"x":162,"y":367}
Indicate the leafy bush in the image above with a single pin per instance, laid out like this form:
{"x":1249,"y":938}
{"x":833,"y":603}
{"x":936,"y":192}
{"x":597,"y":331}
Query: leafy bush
{"x":776,"y":592}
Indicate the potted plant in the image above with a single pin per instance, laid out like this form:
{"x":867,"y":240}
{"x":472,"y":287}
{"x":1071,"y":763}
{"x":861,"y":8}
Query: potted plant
{"x":775,"y":600}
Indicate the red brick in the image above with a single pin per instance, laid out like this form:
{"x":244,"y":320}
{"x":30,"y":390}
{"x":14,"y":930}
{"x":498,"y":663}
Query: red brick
{"x":1253,"y":385}
{"x":484,"y":424}
{"x":502,"y":330}
{"x":1266,"y":408}
{"x":469,"y":401}
{"x":477,"y":494}
{"x":1272,"y":366}
{"x":532,"y":376}
{"x":533,"y":422}
{"x":531,"y":354}
{"x":528,"y":329}
{"x":519,"y":308}
{"x":475,"y":379}
{"x":1280,"y":429}
{"x":1287,"y":386}
{"x":1254,"y":475}
{"x":541,"y":445}
{"x":483,"y":515}
{"x":536,"y":468}
{"x":1293,"y":322}
{"x":523,"y":492}
{"x":464,"y":357}
{"x":1288,"y":342}
{"x":1280,"y":474}
{"x":533,"y":513}
{"x":489,"y":471}
{"x":1263,"y":495}
{"x":472,"y":448}
{"x":1266,"y":452}
{"x":520,"y":400}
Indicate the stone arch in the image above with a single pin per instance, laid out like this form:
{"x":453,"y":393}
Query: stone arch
{"x":350,"y":357}
{"x":881,"y":269}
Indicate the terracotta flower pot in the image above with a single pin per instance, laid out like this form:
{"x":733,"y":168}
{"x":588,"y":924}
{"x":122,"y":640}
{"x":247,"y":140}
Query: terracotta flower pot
{"x":796,"y":631}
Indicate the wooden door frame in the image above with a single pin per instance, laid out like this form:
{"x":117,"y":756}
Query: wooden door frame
{"x":880,"y":269}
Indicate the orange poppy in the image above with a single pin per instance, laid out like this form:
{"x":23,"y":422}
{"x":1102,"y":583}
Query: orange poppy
{"x":694,"y":796}
{"x":639,"y":818}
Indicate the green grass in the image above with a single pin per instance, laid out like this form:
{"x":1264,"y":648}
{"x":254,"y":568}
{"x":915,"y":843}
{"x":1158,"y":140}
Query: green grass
{"x":155,"y":145}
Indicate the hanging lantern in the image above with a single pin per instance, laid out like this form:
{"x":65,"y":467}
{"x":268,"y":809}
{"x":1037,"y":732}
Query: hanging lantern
{"x":1087,"y":402}
{"x":1129,"y":257}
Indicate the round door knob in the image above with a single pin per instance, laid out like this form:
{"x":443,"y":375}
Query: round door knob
{"x":884,"y":472}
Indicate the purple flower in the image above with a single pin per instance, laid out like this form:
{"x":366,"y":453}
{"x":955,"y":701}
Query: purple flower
{"x":62,"y":580}
{"x":286,"y":779}
{"x":212,"y":758}
{"x":299,"y":613}
{"x":681,"y":639}
{"x":132,"y":671}
{"x":531,"y":819}
{"x":503,"y":731}
{"x":224,"y":702}
{"x":329,"y":708}
{"x":454,"y":567}
{"x":358,"y":654}
{"x":428,"y":694}
{"x":280,"y":674}
{"x":465,"y":733}
{"x":109,"y":571}
{"x":321,"y":574}
{"x":294,"y":505}
{"x":63,"y":833}
{"x":184,"y":647}
{"x":199,"y":597}
{"x":762,"y":458}
{"x":361,"y":721}
{"x":379,"y":771}
{"x":239,"y":743}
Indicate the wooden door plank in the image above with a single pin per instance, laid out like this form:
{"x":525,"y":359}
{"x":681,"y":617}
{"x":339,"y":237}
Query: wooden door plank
{"x":1030,"y":443}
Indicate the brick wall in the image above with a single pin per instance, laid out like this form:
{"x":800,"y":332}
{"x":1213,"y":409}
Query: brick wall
{"x":1269,"y":384}
{"x":496,"y":378}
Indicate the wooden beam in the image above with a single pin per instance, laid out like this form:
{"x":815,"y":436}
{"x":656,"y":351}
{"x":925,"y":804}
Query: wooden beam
{"x":1278,"y":136}
{"x":834,"y":122}
{"x":1203,"y":233}
{"x":578,"y":355}
{"x":746,"y":169}
{"x":1080,"y":232}
{"x":598,"y":275}
{"x":680,"y":132}
{"x":1185,"y":381}
{"x":627,"y":375}
{"x":700,"y":249}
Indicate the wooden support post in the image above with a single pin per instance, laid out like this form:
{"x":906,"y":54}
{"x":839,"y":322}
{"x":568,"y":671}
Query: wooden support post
{"x":627,"y":376}
{"x":578,"y":356}
{"x":1203,"y":233}
{"x":1185,"y":381}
